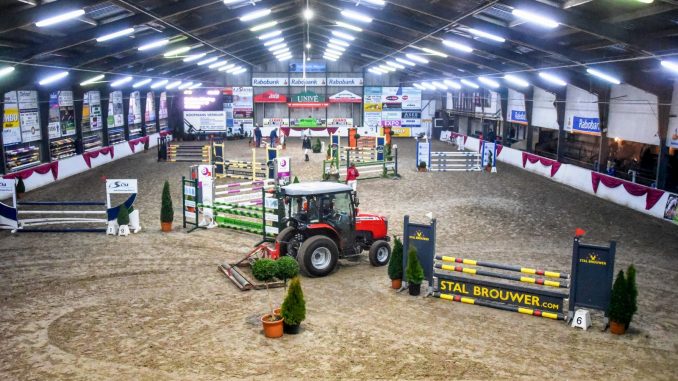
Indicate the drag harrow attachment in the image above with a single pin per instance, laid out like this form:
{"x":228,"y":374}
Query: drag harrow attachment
{"x":235,"y":271}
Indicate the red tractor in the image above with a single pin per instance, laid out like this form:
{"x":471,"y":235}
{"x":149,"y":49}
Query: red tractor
{"x":324,"y":224}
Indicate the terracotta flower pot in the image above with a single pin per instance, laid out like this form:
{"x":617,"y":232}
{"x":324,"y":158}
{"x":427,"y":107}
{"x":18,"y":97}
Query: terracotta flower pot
{"x":272,"y":329}
{"x":396,"y":283}
{"x":421,"y":169}
{"x":166,"y":226}
{"x":617,"y":328}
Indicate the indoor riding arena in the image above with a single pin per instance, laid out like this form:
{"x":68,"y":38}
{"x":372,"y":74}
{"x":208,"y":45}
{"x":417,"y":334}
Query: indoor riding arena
{"x":208,"y":190}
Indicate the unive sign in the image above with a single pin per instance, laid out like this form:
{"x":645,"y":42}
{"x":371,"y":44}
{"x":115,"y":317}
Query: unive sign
{"x":586,"y":125}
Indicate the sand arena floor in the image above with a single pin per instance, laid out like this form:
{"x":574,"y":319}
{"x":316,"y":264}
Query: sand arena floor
{"x":153,"y":306}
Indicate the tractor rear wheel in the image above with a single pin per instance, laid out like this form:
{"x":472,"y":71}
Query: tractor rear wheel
{"x":380,"y":253}
{"x":317,"y":256}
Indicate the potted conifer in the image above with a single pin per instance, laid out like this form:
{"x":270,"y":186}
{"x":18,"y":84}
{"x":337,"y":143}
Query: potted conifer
{"x":623,"y":301}
{"x":317,"y":146}
{"x":414,"y":273}
{"x":294,"y":307}
{"x":422,"y":166}
{"x":20,"y":188}
{"x":166,"y":210}
{"x":123,"y":220}
{"x":264,"y":270}
{"x":395,"y":265}
{"x":632,"y":292}
{"x":296,"y":180}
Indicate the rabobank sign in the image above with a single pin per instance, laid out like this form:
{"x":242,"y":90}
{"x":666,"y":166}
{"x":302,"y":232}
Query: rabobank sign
{"x":265,"y":82}
{"x":586,"y":125}
{"x":344,"y":81}
{"x":518,"y":116}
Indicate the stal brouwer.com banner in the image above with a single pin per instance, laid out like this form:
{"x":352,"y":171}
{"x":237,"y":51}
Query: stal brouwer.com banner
{"x":203,"y":110}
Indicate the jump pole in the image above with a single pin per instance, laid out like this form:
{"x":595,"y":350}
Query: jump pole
{"x":501,"y":266}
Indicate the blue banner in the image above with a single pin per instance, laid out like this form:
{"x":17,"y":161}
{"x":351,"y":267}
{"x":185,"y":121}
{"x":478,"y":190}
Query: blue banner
{"x":519,"y":116}
{"x":311,"y":67}
{"x":586,"y":125}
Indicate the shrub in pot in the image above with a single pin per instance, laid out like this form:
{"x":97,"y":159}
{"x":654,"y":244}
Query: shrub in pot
{"x":395,"y":264}
{"x":287,"y":268}
{"x":166,"y":210}
{"x":414,"y":273}
{"x":296,"y":180}
{"x":264,"y":270}
{"x":422,"y":166}
{"x":632,"y":292}
{"x":123,"y":220}
{"x":622,"y":302}
{"x":20,"y":188}
{"x":294,"y":307}
{"x":317,"y":146}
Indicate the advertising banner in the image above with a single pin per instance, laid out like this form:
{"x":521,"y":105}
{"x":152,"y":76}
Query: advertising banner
{"x":95,"y":122}
{"x":672,"y":132}
{"x":586,"y":125}
{"x":307,"y":82}
{"x":581,"y":111}
{"x":149,"y":114}
{"x":29,"y":116}
{"x":411,"y":119}
{"x":66,"y":113}
{"x":345,"y":97}
{"x":516,"y":107}
{"x":115,"y":111}
{"x":243,"y":106}
{"x":311,"y":67}
{"x":269,"y":82}
{"x":162,"y":113}
{"x":270,"y":96}
{"x":11,"y":129}
{"x":411,"y":98}
{"x":671,"y":209}
{"x":283,"y":170}
{"x":53,"y":128}
{"x":340,"y":122}
{"x":205,"y":120}
{"x":204,"y":110}
{"x":392,"y":115}
{"x":401,"y":132}
{"x":344,"y":81}
{"x":134,"y":116}
{"x":276,"y":122}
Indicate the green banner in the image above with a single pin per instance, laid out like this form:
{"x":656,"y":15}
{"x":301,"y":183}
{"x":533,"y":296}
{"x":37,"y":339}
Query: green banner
{"x":308,"y":96}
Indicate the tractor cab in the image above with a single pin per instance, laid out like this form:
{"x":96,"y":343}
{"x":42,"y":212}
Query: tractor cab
{"x":324,"y":224}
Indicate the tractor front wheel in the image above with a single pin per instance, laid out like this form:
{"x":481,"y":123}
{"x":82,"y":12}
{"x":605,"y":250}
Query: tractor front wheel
{"x":317,"y":256}
{"x":380,"y":252}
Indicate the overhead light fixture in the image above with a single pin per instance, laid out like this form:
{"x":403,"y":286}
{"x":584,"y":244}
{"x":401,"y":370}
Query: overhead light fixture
{"x":330,"y":58}
{"x":153,"y":45}
{"x":53,"y":78}
{"x":284,"y":58}
{"x":332,"y":54}
{"x":159,"y":84}
{"x":516,"y":80}
{"x":6,"y":70}
{"x":349,"y":14}
{"x":428,"y":85}
{"x":194,"y":57}
{"x":177,"y":51}
{"x":217,"y":64}
{"x":207,"y":61}
{"x":336,"y":47}
{"x":280,"y":50}
{"x":376,"y":2}
{"x":553,"y":79}
{"x":534,"y":18}
{"x":276,"y":47}
{"x":339,"y":42}
{"x":375,"y":71}
{"x":281,"y":53}
{"x":470,"y":84}
{"x":265,"y":25}
{"x":195,"y":86}
{"x":486,"y":35}
{"x":228,"y":2}
{"x":255,"y":15}
{"x":349,"y":26}
{"x":646,"y":1}
{"x":335,"y":52}
{"x":418,"y":86}
{"x":308,"y":13}
{"x":121,"y":81}
{"x":240,"y":71}
{"x":274,"y":41}
{"x":231,"y":70}
{"x":342,"y":35}
{"x":142,"y":83}
{"x":395,"y":65}
{"x":227,"y":67}
{"x":415,"y":57}
{"x":458,"y":46}
{"x":268,"y":35}
{"x":434,"y":52}
{"x":308,"y":45}
{"x":670,"y":65}
{"x":406,"y":62}
{"x":452,"y":84}
{"x":489,"y":82}
{"x":172,"y":85}
{"x":86,"y":82}
{"x":439,"y":85}
{"x":604,"y":76}
{"x":386,"y":68}
{"x":117,"y":34}
{"x":60,"y":18}
{"x":185,"y":86}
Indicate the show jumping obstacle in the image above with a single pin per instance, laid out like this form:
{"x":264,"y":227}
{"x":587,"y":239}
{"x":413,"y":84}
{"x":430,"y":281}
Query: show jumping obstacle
{"x":371,"y":163}
{"x":186,"y":152}
{"x":457,"y":161}
{"x":243,"y":170}
{"x":92,"y":220}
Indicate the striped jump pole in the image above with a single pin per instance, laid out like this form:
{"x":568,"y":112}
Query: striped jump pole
{"x":501,"y":306}
{"x":524,"y":279}
{"x":501,"y":266}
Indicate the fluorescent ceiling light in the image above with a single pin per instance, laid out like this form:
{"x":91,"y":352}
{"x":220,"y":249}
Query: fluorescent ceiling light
{"x":670,"y":65}
{"x":284,"y":58}
{"x":342,"y":35}
{"x":489,"y":82}
{"x":86,"y":82}
{"x":308,"y":13}
{"x":434,"y":52}
{"x":117,"y":34}
{"x":646,"y":1}
{"x":349,"y":26}
{"x":194,"y":57}
{"x":458,"y":46}
{"x":207,"y":61}
{"x":395,"y":65}
{"x":53,"y":78}
{"x":339,"y":42}
{"x":6,"y":70}
{"x":486,"y":35}
{"x":406,"y":62}
{"x":335,"y":52}
{"x":516,"y":80}
{"x":185,"y":85}
{"x":217,"y":64}
{"x":274,"y":41}
{"x":535,"y":18}
{"x":418,"y":86}
{"x":470,"y":84}
{"x":142,"y":83}
{"x":452,"y":84}
{"x":282,"y":53}
{"x":231,"y":70}
{"x":277,"y":47}
{"x":177,"y":51}
{"x":439,"y":85}
{"x":284,"y":49}
{"x":349,"y":14}
{"x":172,"y":85}
{"x":121,"y":81}
{"x":196,"y":86}
{"x":332,"y":54}
{"x":415,"y":57}
{"x":386,"y":68}
{"x":227,"y":2}
{"x":154,"y":44}
{"x":227,"y":67}
{"x":376,"y":2}
{"x":159,"y":84}
{"x":375,"y":71}
{"x":240,"y":71}
{"x":308,"y":46}
{"x":60,"y":18}
{"x":428,"y":86}
{"x":604,"y":76}
{"x":336,"y":47}
{"x":330,"y":58}
{"x":268,"y":35}
{"x":255,"y":15}
{"x":265,"y":25}
{"x":553,"y":79}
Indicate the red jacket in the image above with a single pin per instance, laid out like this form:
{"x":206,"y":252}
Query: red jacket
{"x":352,"y":173}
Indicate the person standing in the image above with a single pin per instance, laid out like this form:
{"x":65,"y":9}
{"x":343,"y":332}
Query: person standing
{"x":352,"y":176}
{"x":306,"y":142}
{"x":257,"y":136}
{"x":273,"y":136}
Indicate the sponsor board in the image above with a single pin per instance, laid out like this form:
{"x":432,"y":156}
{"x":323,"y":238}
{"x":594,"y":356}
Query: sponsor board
{"x":345,"y":97}
{"x":11,"y":128}
{"x":270,"y":96}
{"x":518,"y":117}
{"x":309,"y":67}
{"x":372,"y":107}
{"x":162,"y":112}
{"x":372,"y":119}
{"x":269,"y":82}
{"x":149,"y":114}
{"x":391,"y":122}
{"x":344,"y":81}
{"x":586,"y":125}
{"x":391,"y":115}
{"x":401,"y":132}
{"x":121,"y":186}
{"x":205,"y":120}
{"x":276,"y":122}
{"x":297,"y":82}
{"x":411,"y":122}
